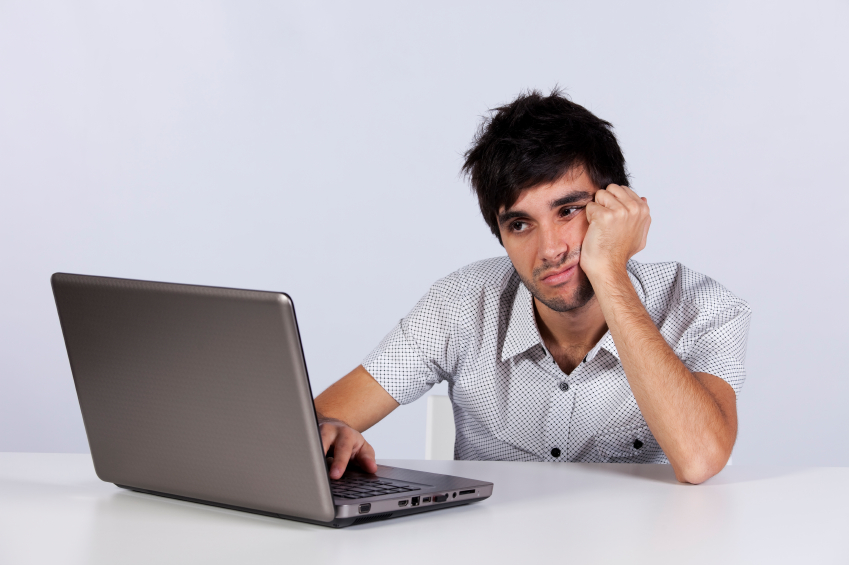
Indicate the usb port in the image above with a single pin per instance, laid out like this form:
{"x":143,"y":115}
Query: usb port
{"x":415,"y":501}
{"x":462,"y":492}
{"x":403,"y":502}
{"x":426,"y":499}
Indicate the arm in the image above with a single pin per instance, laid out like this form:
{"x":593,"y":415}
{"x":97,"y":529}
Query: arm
{"x":693,"y":416}
{"x":347,"y":408}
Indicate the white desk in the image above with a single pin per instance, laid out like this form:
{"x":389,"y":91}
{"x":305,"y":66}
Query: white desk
{"x":53,"y":509}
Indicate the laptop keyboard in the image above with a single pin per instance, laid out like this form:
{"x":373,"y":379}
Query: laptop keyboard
{"x":360,"y":487}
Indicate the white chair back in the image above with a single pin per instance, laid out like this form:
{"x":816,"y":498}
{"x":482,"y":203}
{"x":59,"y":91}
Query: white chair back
{"x":439,"y":433}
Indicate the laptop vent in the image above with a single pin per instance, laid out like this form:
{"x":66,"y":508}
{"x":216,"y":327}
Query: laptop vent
{"x":373,"y":518}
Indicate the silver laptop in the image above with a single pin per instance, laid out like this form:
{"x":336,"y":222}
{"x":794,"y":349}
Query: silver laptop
{"x":201,"y":394}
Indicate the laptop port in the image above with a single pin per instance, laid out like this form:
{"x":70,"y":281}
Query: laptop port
{"x":415,"y":501}
{"x":365,"y":508}
{"x":462,"y":492}
{"x":403,"y":502}
{"x":440,"y":498}
{"x":426,"y":499}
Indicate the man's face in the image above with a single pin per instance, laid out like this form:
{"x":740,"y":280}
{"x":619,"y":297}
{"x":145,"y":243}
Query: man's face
{"x":542,"y":233}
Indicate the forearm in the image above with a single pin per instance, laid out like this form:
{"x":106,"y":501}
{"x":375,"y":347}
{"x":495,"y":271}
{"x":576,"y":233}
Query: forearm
{"x":680,"y":408}
{"x":356,"y":400}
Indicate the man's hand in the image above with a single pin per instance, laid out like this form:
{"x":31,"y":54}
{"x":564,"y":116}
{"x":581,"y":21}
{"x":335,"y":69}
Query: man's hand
{"x":347,"y":408}
{"x":348,"y":445}
{"x":619,"y":225}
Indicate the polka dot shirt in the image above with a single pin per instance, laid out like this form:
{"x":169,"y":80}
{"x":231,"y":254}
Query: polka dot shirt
{"x":476,"y":329}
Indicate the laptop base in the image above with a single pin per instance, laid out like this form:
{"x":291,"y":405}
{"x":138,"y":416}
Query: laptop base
{"x":336,"y":523}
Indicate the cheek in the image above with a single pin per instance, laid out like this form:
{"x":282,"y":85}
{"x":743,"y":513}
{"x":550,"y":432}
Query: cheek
{"x":522,"y":253}
{"x":576,"y":230}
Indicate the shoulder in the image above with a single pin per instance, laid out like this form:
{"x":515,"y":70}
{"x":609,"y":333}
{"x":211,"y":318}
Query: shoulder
{"x":669,"y":284}
{"x":489,"y":276}
{"x":465,"y":300}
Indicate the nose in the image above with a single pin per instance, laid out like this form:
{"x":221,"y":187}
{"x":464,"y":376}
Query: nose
{"x":553,"y":246}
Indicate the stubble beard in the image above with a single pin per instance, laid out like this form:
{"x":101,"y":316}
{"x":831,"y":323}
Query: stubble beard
{"x":579,"y":298}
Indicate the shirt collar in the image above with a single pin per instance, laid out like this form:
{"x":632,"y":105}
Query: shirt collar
{"x":522,"y":331}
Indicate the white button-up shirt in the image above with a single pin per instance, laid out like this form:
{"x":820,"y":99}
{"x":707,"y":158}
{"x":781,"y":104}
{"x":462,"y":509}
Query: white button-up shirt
{"x":476,"y":329}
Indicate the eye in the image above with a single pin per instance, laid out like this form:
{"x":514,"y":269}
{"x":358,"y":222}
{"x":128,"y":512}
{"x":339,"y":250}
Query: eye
{"x":569,"y":211}
{"x":517,"y":226}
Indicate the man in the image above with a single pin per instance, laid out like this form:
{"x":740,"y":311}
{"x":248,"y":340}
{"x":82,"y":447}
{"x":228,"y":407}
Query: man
{"x":566,"y":349}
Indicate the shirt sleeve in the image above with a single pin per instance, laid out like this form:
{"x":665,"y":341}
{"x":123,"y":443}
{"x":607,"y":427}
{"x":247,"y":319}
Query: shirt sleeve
{"x":718,"y":344}
{"x":420,"y":351}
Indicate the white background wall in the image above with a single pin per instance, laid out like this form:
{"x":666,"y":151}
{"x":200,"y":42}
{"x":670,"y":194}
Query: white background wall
{"x":314,"y":148}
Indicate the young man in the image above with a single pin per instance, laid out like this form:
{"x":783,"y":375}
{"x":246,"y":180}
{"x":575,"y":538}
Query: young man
{"x":566,"y":349}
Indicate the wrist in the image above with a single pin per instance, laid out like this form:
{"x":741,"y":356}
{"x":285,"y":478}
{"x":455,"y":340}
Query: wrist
{"x":617,"y":297}
{"x":608,"y":276}
{"x":328,"y":420}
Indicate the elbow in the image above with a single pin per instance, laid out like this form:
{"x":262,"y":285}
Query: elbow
{"x":696,"y":475}
{"x":698,"y":469}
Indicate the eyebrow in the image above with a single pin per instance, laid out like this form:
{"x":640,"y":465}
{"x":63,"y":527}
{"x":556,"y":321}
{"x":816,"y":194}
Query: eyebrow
{"x":570,"y":198}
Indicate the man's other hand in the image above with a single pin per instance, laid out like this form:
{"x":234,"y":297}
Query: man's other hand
{"x":348,"y":445}
{"x":619,"y":225}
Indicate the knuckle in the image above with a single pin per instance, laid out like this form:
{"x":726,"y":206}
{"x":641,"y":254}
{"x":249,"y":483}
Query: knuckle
{"x":343,"y":441}
{"x":351,"y":434}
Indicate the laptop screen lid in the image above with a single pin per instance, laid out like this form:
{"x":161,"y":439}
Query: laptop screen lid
{"x":199,"y":392}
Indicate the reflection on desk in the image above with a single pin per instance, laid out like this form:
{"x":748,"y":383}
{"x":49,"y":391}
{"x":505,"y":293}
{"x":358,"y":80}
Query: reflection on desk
{"x":53,"y":509}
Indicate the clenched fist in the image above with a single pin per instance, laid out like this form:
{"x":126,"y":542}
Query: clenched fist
{"x":619,"y":222}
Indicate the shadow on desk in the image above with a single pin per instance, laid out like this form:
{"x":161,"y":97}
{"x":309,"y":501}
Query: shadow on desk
{"x":663,"y":473}
{"x":126,"y":503}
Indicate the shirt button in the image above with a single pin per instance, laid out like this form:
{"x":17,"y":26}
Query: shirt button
{"x":564,"y":386}
{"x":555,"y":452}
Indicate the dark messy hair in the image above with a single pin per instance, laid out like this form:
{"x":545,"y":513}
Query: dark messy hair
{"x":534,"y":140}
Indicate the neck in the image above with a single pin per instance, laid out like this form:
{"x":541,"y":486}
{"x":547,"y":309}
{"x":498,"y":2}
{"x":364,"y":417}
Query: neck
{"x":569,"y":336}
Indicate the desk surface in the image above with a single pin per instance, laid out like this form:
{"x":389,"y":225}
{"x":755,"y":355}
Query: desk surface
{"x":53,"y":509}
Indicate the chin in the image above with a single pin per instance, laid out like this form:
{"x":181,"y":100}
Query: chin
{"x":567,"y":300}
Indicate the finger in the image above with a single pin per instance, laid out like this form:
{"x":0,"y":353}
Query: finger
{"x":626,"y":196}
{"x":591,"y":210}
{"x":630,"y":192}
{"x":328,"y":435}
{"x":623,"y":191}
{"x":595,"y":211}
{"x":617,"y":190}
{"x":342,"y":450}
{"x":365,"y":458}
{"x":607,"y":199}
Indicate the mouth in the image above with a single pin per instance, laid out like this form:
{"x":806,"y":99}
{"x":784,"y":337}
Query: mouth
{"x":560,"y":276}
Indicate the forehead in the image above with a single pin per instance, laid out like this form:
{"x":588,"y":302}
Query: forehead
{"x":575,"y":182}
